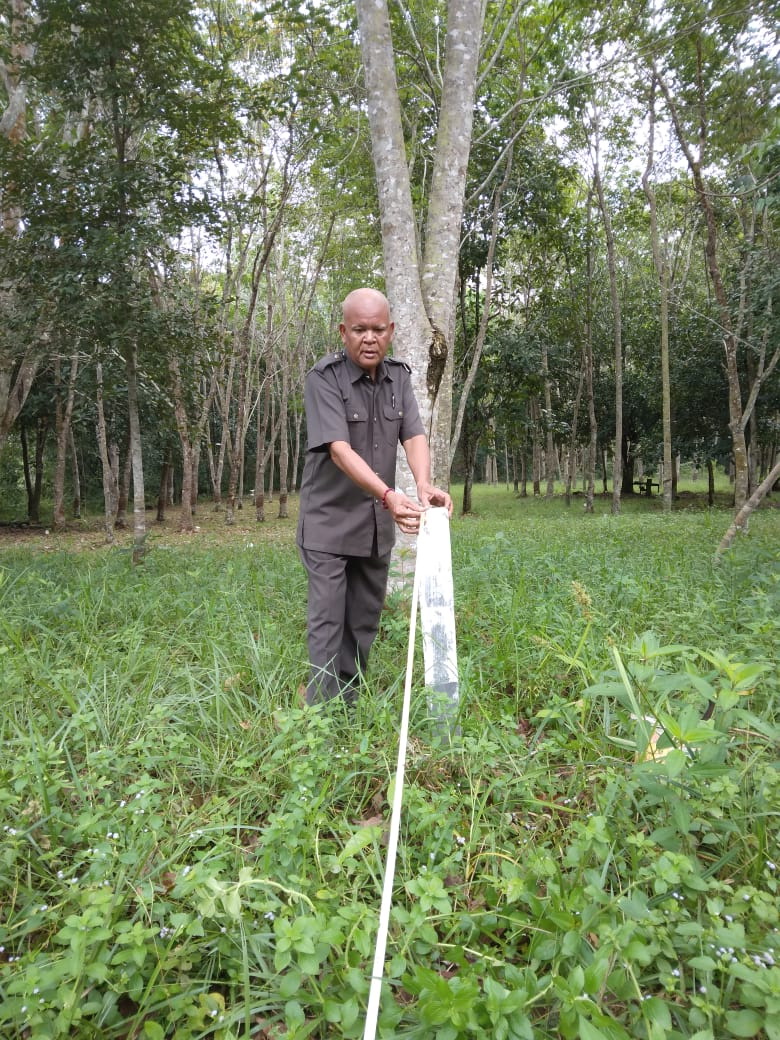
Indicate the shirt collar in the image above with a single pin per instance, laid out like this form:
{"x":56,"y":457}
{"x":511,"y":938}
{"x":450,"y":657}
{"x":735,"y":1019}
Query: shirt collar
{"x":356,"y":372}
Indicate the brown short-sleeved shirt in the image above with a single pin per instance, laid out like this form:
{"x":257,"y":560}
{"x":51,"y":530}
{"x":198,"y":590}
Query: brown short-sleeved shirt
{"x":343,"y":404}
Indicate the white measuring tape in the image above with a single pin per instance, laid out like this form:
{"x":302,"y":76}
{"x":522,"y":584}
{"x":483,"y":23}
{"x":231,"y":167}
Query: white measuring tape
{"x":434,"y":591}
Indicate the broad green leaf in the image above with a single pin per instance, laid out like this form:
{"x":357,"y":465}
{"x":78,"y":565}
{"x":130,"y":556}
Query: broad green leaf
{"x":744,"y":1023}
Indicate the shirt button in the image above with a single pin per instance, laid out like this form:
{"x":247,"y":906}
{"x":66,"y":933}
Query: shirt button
{"x":354,"y":415}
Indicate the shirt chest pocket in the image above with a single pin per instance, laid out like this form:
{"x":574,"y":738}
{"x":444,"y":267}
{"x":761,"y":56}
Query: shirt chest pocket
{"x":392,"y":417}
{"x":357,"y":418}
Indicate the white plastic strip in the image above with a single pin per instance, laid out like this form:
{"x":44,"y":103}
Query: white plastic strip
{"x":375,"y":991}
{"x":437,"y":615}
{"x":434,"y":591}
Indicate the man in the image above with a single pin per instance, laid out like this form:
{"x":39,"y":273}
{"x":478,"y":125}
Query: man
{"x":359,"y":405}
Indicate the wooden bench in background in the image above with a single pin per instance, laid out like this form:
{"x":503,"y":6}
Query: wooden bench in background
{"x":646,"y":486}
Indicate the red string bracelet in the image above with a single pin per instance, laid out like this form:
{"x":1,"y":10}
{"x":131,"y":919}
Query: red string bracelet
{"x":384,"y":497}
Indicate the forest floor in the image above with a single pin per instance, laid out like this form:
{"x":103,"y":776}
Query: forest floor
{"x":594,"y":854}
{"x":87,"y":534}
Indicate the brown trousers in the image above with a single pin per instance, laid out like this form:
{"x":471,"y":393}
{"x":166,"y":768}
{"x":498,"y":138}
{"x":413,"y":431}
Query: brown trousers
{"x":346,"y":595}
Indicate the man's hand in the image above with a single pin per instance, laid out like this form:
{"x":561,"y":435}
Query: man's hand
{"x":405,"y":511}
{"x":433,"y":496}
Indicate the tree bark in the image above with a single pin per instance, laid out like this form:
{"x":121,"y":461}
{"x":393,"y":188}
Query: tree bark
{"x":162,"y":490}
{"x":136,"y":456}
{"x":550,"y":452}
{"x":617,"y":330}
{"x":730,"y":342}
{"x":484,"y":317}
{"x":33,"y":474}
{"x":571,"y":457}
{"x":75,"y":475}
{"x":662,"y":270}
{"x":740,"y":522}
{"x":590,"y":468}
{"x":422,"y":293}
{"x":63,"y":415}
{"x":109,"y":466}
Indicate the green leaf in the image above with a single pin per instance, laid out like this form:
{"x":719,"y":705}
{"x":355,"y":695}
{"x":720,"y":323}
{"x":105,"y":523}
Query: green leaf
{"x":588,"y":1031}
{"x":290,"y":983}
{"x":358,"y":841}
{"x":702,"y":963}
{"x":744,"y":1023}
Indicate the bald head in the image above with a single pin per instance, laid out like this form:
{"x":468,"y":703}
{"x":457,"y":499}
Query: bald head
{"x":364,"y":297}
{"x":366,"y":330}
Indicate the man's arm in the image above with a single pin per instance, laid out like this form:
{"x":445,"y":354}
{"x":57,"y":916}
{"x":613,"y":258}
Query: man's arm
{"x":419,"y":458}
{"x":404,"y":511}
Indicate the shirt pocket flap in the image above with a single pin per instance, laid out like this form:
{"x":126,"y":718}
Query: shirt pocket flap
{"x":392,"y":413}
{"x":355,"y":411}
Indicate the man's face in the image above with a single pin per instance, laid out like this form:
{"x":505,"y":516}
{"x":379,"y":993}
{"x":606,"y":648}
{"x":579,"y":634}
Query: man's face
{"x":366,"y":331}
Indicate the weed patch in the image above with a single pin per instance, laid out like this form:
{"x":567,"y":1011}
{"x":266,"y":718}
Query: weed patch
{"x":186,"y":853}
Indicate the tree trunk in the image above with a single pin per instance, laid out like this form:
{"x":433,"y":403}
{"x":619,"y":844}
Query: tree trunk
{"x":123,"y":482}
{"x":617,"y":332}
{"x":423,"y":294}
{"x":162,"y":491}
{"x":75,"y":475}
{"x":261,"y":454}
{"x":63,"y":415}
{"x":590,"y":467}
{"x":216,"y":467}
{"x":710,"y":483}
{"x":136,"y":457}
{"x":536,"y":447}
{"x":33,"y":475}
{"x":571,"y":458}
{"x":470,"y":447}
{"x":16,"y":374}
{"x":109,"y":465}
{"x":741,"y":520}
{"x":484,"y":317}
{"x":730,"y":340}
{"x":662,"y":270}
{"x":549,"y":441}
{"x":189,"y":440}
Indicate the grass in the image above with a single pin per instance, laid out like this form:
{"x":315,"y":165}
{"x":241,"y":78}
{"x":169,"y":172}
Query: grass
{"x":186,"y":853}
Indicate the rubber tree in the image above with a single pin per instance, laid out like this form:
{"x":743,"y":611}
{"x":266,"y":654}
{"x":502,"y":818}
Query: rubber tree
{"x":421,"y":277}
{"x":17,"y":367}
{"x":716,"y":80}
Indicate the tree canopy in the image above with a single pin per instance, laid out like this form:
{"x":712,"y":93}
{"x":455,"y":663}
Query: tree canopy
{"x":189,"y":189}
